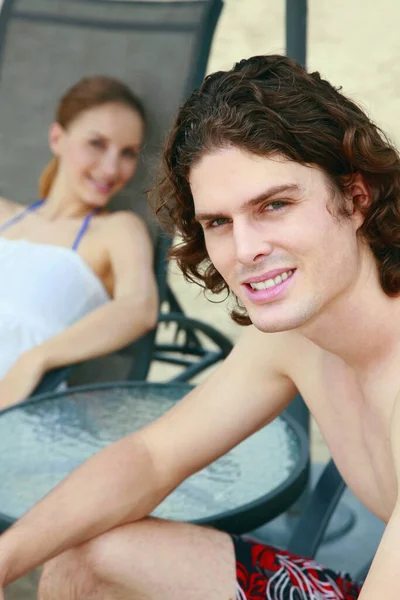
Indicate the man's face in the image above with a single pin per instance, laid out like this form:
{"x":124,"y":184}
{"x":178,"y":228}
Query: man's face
{"x":270,"y":235}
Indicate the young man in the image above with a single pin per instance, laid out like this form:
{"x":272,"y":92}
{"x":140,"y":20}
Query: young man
{"x":288,"y":196}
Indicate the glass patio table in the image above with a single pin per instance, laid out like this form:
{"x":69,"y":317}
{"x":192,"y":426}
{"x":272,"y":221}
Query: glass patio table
{"x":45,"y":438}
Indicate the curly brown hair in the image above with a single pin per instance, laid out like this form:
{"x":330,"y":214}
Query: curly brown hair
{"x":267,"y":105}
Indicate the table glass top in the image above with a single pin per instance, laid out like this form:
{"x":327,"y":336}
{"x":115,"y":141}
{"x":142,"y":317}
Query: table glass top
{"x":41,"y":442}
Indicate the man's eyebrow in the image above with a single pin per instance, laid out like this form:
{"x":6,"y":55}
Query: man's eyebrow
{"x":266,"y":195}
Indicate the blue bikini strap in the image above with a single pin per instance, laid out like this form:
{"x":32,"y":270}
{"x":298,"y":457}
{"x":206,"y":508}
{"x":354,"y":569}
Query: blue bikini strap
{"x":21,"y":215}
{"x":83,"y":228}
{"x":32,"y":207}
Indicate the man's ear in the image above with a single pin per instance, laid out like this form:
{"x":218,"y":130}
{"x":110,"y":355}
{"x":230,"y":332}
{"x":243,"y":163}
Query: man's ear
{"x":56,"y":137}
{"x":359,"y":197}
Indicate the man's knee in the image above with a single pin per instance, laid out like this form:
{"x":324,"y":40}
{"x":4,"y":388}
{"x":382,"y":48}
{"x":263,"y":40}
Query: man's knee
{"x":121,"y":564}
{"x":120,"y":556}
{"x":85,"y":572}
{"x":70,"y":576}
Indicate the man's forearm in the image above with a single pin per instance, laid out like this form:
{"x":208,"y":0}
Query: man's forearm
{"x":116,"y":486}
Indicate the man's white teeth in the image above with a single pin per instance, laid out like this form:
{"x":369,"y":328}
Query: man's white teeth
{"x":269,"y":283}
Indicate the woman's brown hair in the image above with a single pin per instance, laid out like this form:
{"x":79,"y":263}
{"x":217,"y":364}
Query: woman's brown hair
{"x":87,"y":93}
{"x":268,"y":105}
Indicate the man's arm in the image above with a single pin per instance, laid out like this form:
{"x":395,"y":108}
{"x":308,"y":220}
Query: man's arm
{"x":132,"y":311}
{"x":126,"y":481}
{"x":383,"y":578}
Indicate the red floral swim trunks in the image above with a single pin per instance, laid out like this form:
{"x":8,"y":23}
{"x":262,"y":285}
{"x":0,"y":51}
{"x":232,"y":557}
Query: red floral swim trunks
{"x":264,"y":572}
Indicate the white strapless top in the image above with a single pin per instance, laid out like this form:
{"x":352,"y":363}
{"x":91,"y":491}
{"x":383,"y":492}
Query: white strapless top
{"x":44,"y":289}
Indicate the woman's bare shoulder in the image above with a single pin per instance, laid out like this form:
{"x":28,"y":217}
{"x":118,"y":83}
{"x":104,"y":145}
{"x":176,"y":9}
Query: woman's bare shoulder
{"x":125,"y":218}
{"x":123,"y":223}
{"x":8,"y":207}
{"x":124,"y":230}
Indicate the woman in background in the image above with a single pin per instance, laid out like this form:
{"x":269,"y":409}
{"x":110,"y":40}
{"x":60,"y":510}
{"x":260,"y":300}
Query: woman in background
{"x":76,"y":280}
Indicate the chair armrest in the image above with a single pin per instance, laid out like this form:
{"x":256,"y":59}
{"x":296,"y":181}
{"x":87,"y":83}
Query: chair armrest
{"x":193,"y":324}
{"x":52,"y":380}
{"x":188,"y":350}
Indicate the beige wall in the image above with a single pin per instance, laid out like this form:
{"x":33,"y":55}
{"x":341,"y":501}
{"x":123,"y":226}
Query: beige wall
{"x":354,"y":43}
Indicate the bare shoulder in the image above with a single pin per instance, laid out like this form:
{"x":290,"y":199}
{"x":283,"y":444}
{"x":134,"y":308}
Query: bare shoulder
{"x":274,"y":352}
{"x":125,"y":220}
{"x":8,"y":207}
{"x":124,"y":227}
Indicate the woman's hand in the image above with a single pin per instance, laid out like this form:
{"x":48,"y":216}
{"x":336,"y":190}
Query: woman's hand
{"x":20,"y":381}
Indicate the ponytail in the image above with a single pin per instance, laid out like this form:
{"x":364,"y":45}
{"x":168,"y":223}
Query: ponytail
{"x":47,"y":177}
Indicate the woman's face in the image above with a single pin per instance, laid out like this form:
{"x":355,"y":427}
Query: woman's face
{"x":97,"y":152}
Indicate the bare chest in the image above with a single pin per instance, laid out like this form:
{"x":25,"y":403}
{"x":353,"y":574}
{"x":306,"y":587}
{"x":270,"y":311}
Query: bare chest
{"x":354,"y":420}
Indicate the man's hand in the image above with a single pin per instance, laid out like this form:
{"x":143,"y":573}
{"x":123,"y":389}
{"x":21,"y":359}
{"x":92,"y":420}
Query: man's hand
{"x":20,"y":381}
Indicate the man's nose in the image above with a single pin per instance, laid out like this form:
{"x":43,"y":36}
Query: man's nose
{"x":251,"y":242}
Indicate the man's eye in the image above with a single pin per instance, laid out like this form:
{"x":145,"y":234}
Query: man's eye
{"x":217,"y":223}
{"x":275,"y":205}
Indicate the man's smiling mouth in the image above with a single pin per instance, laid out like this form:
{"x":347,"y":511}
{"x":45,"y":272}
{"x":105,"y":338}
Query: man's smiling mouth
{"x":272,"y":282}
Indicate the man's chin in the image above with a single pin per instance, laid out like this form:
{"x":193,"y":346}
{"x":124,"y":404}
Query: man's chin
{"x":284,"y":320}
{"x":269,"y":325}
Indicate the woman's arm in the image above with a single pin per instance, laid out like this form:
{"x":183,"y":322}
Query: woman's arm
{"x":132,"y":311}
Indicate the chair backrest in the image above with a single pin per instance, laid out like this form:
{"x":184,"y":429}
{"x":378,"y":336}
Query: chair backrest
{"x":160,"y":48}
